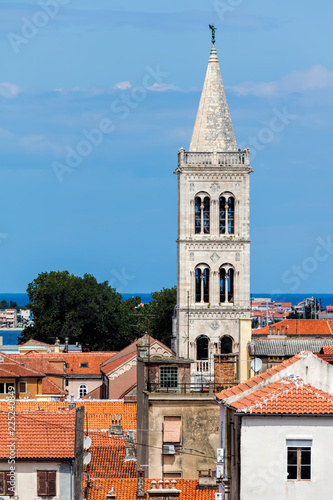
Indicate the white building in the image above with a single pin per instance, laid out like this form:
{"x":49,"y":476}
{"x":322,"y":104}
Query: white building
{"x":277,"y":433}
{"x":213,"y":304}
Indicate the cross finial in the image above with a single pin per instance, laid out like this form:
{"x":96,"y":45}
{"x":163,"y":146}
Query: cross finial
{"x":212,"y":27}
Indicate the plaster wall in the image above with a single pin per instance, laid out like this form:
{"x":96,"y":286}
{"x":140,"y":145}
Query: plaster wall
{"x":199,"y":436}
{"x":74,"y":384}
{"x":264,"y":457}
{"x":26,"y":479}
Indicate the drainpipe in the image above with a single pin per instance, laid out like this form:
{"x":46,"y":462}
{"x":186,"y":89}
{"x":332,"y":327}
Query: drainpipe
{"x":72,"y":480}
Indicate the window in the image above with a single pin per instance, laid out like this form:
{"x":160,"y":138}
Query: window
{"x":169,"y":377}
{"x":202,"y":347}
{"x":22,"y":387}
{"x":227,"y":214}
{"x":202,"y":214}
{"x":227,"y":274}
{"x":299,"y":459}
{"x":5,"y":484}
{"x":202,"y":284}
{"x":83,"y":390}
{"x":6,"y":388}
{"x":83,"y":365}
{"x":172,"y":428}
{"x":46,"y":483}
{"x":226,"y":345}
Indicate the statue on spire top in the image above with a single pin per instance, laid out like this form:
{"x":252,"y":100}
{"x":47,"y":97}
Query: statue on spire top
{"x":212,"y":27}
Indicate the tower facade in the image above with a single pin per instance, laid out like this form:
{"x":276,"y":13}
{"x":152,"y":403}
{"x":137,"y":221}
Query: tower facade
{"x":213,"y":269}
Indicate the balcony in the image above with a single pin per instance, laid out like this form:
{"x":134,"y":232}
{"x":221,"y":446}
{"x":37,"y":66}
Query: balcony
{"x":187,"y":388}
{"x":222,"y":159}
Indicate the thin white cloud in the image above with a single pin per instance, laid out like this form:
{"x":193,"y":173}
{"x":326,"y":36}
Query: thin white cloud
{"x":9,"y":90}
{"x":316,"y":77}
{"x":5,"y":133}
{"x":164,"y":87}
{"x":123,"y":85}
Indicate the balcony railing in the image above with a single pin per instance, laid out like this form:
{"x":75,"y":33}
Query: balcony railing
{"x":187,"y":388}
{"x":236,"y":158}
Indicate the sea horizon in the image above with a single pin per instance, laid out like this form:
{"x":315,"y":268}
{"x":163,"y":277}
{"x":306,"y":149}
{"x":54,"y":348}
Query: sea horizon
{"x":326,"y":299}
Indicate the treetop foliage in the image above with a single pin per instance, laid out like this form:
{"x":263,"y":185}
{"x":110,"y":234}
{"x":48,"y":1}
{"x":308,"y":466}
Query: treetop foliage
{"x":93,"y":314}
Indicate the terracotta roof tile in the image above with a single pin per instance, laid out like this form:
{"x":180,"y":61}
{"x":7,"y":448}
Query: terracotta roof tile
{"x":94,"y":360}
{"x":108,"y":456}
{"x":39,"y":434}
{"x":327,"y":349}
{"x":252,"y":382}
{"x":98,"y":414}
{"x":289,"y":396}
{"x":16,"y":369}
{"x":112,"y":365}
{"x":125,"y":489}
{"x":37,"y":361}
{"x":49,"y":387}
{"x":299,"y":327}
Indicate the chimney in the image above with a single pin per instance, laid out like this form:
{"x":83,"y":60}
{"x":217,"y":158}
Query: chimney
{"x":130,"y":450}
{"x":66,"y":344}
{"x":142,"y":347}
{"x":71,"y":403}
{"x":163,"y":491}
{"x":116,"y":428}
{"x":57,"y":346}
{"x":140,"y":492}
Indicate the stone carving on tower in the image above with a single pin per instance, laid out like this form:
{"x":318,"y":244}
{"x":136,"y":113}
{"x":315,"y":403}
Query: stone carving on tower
{"x":212,"y":317}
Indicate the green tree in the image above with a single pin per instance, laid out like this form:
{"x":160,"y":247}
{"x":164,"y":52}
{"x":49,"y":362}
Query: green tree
{"x":81,"y":309}
{"x":155,"y":318}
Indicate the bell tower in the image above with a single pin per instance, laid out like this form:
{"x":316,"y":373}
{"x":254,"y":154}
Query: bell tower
{"x":212,"y":317}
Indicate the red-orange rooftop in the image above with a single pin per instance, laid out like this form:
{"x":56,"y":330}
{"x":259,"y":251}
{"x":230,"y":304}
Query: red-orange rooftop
{"x":125,"y":489}
{"x":39,"y":434}
{"x":298,"y":327}
{"x":288,"y":396}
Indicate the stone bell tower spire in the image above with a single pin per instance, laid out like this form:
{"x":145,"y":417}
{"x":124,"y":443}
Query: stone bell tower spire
{"x":213,"y":127}
{"x":212,"y":322}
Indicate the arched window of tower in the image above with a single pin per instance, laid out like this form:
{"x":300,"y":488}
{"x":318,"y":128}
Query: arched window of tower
{"x":202,"y":275}
{"x":226,"y":345}
{"x":202,"y":347}
{"x":202,"y":213}
{"x":227,"y":213}
{"x":227,"y":275}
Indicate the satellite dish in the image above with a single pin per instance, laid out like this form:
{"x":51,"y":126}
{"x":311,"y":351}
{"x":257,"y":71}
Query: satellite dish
{"x":86,"y":458}
{"x":86,"y":442}
{"x":256,"y":365}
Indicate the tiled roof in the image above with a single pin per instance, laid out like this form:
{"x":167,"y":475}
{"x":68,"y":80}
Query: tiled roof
{"x":49,"y":387}
{"x":125,"y":489}
{"x":117,"y":362}
{"x":108,"y":456}
{"x":288,"y":396}
{"x":261,"y":377}
{"x":98,"y":414}
{"x":94,"y":360}
{"x":39,"y":434}
{"x":33,"y":342}
{"x":327,"y":349}
{"x":37,"y":361}
{"x":299,"y":327}
{"x":9,"y":367}
{"x":286,"y":346}
{"x":127,"y":353}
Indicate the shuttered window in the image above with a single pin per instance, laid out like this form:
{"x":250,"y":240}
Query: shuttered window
{"x":5,"y":487}
{"x":172,"y":430}
{"x":46,"y":483}
{"x":2,"y":483}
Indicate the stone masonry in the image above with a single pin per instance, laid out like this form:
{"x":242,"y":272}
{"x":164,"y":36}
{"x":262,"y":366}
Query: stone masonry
{"x":212,"y":168}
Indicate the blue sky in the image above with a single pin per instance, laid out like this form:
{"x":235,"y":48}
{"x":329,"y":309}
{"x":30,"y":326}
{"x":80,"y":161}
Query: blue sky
{"x":70,"y":67}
